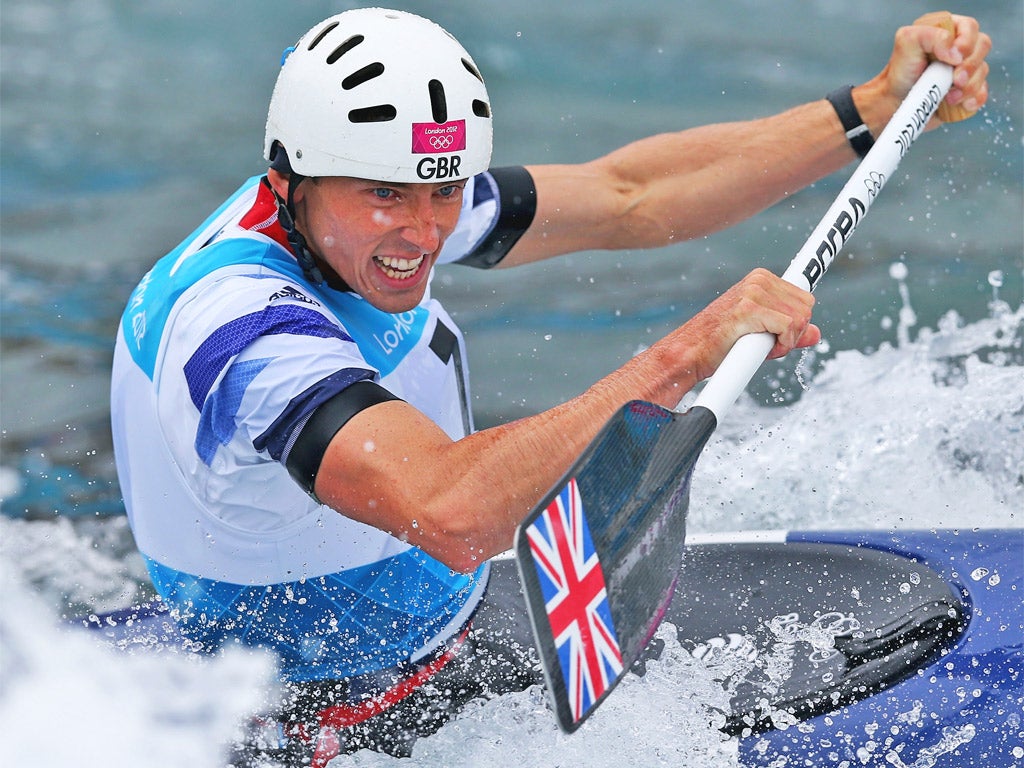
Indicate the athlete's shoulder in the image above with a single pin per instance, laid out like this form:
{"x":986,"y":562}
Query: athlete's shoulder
{"x":220,"y":260}
{"x":498,"y":207}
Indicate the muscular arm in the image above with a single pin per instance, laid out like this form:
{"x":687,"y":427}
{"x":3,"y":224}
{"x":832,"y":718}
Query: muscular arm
{"x":460,"y":501}
{"x":684,"y":185}
{"x":680,"y":186}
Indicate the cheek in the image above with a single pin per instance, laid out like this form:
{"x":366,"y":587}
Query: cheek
{"x":382,"y":219}
{"x":446,"y":232}
{"x":448,"y":219}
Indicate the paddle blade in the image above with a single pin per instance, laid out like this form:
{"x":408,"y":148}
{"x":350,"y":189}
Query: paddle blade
{"x":599,"y":556}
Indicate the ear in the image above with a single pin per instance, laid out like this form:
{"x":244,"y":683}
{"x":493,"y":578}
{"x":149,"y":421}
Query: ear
{"x":278,"y":182}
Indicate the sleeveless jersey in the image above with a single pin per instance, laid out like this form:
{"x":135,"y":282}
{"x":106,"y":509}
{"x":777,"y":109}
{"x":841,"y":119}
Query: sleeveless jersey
{"x":224,"y":351}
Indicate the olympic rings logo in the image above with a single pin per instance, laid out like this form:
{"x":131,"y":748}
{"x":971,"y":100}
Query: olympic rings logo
{"x":431,"y":138}
{"x":874,"y":183}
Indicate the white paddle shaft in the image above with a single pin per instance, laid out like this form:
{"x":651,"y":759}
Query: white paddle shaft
{"x":834,"y":229}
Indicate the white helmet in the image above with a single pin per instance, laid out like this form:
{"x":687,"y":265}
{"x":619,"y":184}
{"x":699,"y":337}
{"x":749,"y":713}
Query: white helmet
{"x":382,"y":95}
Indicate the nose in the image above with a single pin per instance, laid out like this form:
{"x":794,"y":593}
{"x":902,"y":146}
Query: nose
{"x":421,"y":228}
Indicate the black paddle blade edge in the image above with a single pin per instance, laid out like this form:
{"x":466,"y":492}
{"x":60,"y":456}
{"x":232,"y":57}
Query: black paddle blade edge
{"x":600,"y":554}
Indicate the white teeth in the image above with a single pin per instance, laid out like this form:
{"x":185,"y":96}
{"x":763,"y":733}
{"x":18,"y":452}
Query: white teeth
{"x":399,"y":269}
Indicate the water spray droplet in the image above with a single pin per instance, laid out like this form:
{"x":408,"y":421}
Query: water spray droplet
{"x":898,"y":270}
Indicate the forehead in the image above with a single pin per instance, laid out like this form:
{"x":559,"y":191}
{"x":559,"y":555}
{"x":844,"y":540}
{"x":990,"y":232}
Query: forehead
{"x":353,"y":183}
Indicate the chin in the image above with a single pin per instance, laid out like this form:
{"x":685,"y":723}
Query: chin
{"x":394,"y":302}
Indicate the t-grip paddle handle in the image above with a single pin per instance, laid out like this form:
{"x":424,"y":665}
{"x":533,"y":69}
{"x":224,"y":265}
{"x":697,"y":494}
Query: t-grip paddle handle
{"x":834,"y":229}
{"x":948,"y":113}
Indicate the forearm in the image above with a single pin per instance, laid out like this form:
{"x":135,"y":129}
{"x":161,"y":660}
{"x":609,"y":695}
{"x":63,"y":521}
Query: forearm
{"x":510,"y":467}
{"x":690,"y":184}
{"x":679,"y":186}
{"x":460,"y":501}
{"x":686,"y":185}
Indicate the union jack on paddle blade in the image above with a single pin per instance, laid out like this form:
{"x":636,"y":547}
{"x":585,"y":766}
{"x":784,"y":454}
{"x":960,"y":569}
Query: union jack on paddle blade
{"x":576,"y":600}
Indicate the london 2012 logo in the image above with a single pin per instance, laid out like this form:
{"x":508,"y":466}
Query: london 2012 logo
{"x":437,"y":138}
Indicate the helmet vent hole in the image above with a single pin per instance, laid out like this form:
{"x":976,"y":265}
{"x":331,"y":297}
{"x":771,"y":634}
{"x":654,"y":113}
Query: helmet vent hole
{"x":380,"y":113}
{"x":472,"y":70}
{"x":438,"y":103}
{"x":360,"y":76}
{"x":344,"y":48}
{"x":481,"y":108}
{"x":316,"y":40}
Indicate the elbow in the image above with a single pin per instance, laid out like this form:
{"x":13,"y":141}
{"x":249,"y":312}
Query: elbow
{"x":458,"y":544}
{"x":464,"y":562}
{"x":458,"y":553}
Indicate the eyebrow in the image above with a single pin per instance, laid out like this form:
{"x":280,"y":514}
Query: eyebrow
{"x":413,"y":185}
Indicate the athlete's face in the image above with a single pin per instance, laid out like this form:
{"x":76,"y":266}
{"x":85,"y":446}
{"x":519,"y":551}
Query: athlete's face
{"x":382,"y":239}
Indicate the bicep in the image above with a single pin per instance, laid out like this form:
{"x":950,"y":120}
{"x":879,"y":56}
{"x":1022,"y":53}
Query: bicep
{"x":581,"y":207}
{"x":381,"y":466}
{"x":393,"y":468}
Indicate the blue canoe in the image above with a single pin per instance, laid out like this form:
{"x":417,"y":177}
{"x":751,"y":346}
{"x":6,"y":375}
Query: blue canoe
{"x":926,"y":663}
{"x":900,"y":648}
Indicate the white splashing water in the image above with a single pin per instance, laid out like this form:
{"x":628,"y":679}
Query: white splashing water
{"x":65,"y":700}
{"x":926,"y":434}
{"x":519,"y":729}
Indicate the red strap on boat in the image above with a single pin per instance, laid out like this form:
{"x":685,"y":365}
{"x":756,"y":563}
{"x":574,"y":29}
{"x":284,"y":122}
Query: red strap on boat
{"x":340,"y":716}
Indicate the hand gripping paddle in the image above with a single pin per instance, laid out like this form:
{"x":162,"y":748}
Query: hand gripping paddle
{"x":600,"y":555}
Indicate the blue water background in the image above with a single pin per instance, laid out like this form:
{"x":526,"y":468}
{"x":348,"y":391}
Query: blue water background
{"x":123,"y":124}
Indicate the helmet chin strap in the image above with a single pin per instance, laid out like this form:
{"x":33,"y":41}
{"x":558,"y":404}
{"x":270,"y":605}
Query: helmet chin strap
{"x":286,"y":218}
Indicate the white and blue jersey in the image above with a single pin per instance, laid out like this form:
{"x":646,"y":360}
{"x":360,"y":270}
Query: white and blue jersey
{"x":225,"y":352}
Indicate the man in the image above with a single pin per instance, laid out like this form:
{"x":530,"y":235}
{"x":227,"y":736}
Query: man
{"x":290,"y":411}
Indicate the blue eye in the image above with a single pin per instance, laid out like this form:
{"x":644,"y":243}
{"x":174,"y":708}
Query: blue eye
{"x":450,"y":190}
{"x":383,"y":193}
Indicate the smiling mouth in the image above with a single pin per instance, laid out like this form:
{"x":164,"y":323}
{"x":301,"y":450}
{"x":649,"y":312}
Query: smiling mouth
{"x":399,"y":269}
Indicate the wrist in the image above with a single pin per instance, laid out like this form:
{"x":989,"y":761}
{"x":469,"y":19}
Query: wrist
{"x":858,"y":132}
{"x":875,"y":104}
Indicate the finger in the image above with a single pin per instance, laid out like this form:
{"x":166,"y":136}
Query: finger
{"x":937,"y":34}
{"x":763,"y":301}
{"x":971,"y":80}
{"x":810,"y":336}
{"x":789,"y":324}
{"x":967,"y":34}
{"x":960,"y":43}
{"x":973,"y":44}
{"x":974,"y":93}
